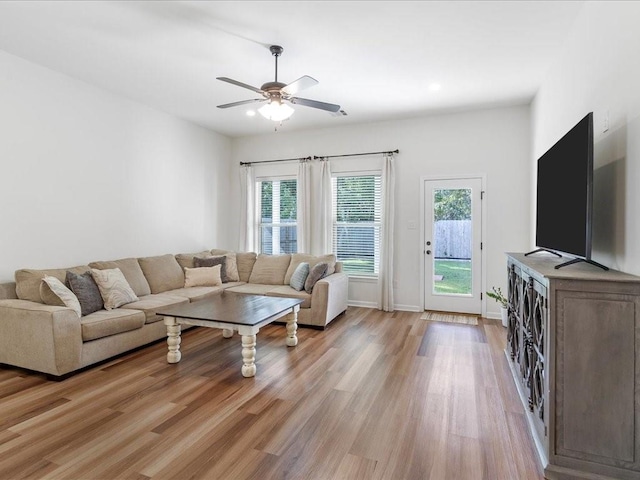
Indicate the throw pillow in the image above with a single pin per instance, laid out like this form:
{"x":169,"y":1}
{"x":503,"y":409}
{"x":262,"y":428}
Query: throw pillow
{"x":114,"y":288}
{"x":316,"y":273}
{"x":87,"y":291}
{"x":212,"y":262}
{"x":47,"y":295}
{"x":299,"y":276}
{"x":202,"y":276}
{"x":232,"y":264}
{"x":131,"y":270}
{"x":185,"y":260}
{"x":66,"y":295}
{"x":312,"y":260}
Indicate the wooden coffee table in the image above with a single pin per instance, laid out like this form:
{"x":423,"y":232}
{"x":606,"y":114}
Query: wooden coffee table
{"x":245,"y":314}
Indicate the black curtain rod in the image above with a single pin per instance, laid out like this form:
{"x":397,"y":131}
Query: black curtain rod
{"x":354,"y":154}
{"x":301,"y":159}
{"x":306,"y":159}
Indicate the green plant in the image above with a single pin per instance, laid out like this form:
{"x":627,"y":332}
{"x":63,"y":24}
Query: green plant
{"x":497,"y":295}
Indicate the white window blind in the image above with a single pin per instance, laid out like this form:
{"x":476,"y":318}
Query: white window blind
{"x":277,"y":225}
{"x":357,"y":212}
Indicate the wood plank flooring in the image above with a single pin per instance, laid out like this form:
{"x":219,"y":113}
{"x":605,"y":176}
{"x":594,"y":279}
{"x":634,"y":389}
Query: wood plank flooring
{"x":375,"y":396}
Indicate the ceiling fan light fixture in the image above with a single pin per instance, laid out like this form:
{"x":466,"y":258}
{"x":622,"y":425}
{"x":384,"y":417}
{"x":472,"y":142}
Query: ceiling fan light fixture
{"x":276,"y":111}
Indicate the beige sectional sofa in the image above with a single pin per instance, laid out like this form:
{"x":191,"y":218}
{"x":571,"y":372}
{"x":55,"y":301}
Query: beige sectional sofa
{"x":52,"y":338}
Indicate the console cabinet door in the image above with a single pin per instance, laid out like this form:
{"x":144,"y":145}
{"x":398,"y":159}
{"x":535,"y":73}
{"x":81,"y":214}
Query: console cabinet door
{"x":597,"y":389}
{"x":527,"y":344}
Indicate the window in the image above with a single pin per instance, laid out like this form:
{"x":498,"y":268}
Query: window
{"x":278,"y":216}
{"x":357,"y":212}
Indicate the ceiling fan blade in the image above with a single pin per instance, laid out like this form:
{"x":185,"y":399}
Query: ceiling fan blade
{"x":329,"y":107}
{"x":299,"y":84}
{"x":242,"y":102}
{"x":240,"y":84}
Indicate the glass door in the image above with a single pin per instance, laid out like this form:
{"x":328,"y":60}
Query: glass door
{"x":452,"y":250}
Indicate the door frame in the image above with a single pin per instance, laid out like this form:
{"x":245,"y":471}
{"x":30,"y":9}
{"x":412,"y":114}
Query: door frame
{"x":483,"y":233}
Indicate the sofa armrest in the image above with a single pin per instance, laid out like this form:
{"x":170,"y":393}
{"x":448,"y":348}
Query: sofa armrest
{"x":329,"y":298}
{"x":39,"y":337}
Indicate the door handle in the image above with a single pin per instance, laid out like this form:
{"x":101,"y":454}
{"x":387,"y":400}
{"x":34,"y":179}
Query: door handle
{"x":428,"y":252}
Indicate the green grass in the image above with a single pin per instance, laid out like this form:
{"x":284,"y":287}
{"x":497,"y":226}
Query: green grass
{"x":456,"y":276}
{"x":356,"y":266}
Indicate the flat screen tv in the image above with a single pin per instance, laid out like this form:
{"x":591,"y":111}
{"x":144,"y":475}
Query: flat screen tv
{"x":564,"y":212}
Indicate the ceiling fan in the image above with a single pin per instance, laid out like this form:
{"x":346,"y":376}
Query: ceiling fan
{"x":278,"y":94}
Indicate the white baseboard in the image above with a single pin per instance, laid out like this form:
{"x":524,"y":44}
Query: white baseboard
{"x":494,"y":315}
{"x":399,"y":307}
{"x":408,"y":308}
{"x":352,"y":303}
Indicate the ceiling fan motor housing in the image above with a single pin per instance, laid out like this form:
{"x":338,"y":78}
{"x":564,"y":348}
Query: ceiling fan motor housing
{"x":273,"y":86}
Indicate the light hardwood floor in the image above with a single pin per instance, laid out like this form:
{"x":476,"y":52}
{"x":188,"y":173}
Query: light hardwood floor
{"x":374,"y":396}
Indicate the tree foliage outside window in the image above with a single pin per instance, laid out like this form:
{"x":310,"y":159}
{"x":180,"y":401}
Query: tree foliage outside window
{"x":452,"y":204}
{"x":288,"y":200}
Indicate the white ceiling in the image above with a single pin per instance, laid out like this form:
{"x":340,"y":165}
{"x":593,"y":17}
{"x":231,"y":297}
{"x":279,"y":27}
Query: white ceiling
{"x":376,"y":59}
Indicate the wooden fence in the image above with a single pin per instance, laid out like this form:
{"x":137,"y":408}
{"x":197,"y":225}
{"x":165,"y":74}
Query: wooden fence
{"x":452,"y":239}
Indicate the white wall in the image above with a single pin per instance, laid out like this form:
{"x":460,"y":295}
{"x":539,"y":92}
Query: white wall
{"x":599,"y":70}
{"x":87,"y":175}
{"x":494,"y":142}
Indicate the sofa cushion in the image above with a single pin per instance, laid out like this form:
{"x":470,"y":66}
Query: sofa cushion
{"x":28,"y":281}
{"x":289,"y":292}
{"x":202,"y":276}
{"x":61,"y":291}
{"x":246,"y":261}
{"x":232,"y":264}
{"x":114,"y":288}
{"x":299,"y":276}
{"x":312,"y":260}
{"x":185,"y":260}
{"x":110,"y":322}
{"x":163,"y":273}
{"x":212,"y":261}
{"x":197,"y":293}
{"x":316,"y":273}
{"x":270,"y":269}
{"x":87,"y":291}
{"x":131,"y":270}
{"x":150,"y":304}
{"x":252,"y":289}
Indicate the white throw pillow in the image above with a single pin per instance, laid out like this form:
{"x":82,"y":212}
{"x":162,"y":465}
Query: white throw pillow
{"x":202,"y":277}
{"x":114,"y":288}
{"x":63,"y":293}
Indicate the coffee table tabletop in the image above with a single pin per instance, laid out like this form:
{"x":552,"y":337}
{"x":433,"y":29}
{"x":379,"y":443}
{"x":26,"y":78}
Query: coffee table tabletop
{"x":235,"y":308}
{"x":231,"y":312}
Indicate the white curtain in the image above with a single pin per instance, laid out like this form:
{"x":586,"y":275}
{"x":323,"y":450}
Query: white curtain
{"x":325,"y":221}
{"x":304,"y":206}
{"x":247,"y":209}
{"x":386,"y":254}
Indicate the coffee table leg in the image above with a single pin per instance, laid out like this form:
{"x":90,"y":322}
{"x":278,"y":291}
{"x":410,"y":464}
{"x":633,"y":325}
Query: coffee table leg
{"x":248,"y":355}
{"x":292,"y":327}
{"x":173,"y":340}
{"x":227,"y":333}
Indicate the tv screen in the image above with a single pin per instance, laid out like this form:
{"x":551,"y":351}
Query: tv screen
{"x":564,"y":198}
